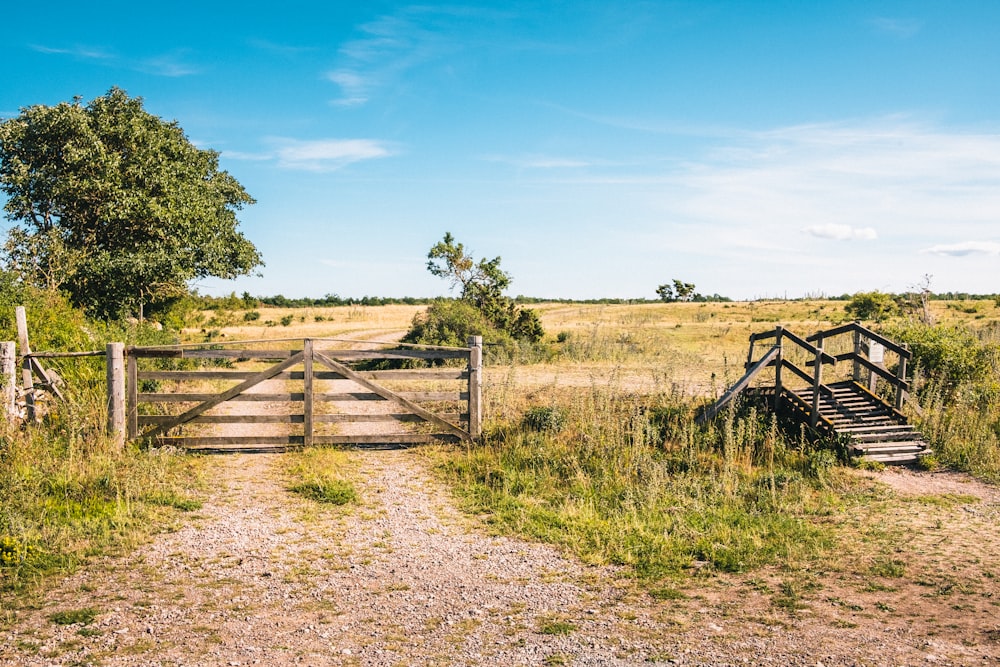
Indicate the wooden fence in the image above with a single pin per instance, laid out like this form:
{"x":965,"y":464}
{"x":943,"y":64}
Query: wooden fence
{"x":308,"y":391}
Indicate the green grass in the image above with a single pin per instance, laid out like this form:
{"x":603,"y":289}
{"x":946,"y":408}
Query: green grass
{"x":629,"y":483}
{"x":84,"y":616}
{"x":67,"y":493}
{"x":322,"y":475}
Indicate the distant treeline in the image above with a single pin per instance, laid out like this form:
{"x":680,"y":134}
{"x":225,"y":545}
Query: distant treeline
{"x":247,"y":301}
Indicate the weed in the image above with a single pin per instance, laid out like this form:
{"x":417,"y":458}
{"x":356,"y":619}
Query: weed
{"x":890,"y":568}
{"x":666,"y":594}
{"x":556,"y":627}
{"x":84,"y":616}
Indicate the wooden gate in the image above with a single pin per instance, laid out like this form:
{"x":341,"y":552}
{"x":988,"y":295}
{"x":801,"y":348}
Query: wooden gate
{"x":297,"y":393}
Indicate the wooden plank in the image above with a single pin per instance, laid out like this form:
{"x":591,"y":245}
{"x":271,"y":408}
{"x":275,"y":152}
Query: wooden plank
{"x":764,"y":335}
{"x":429,"y":374}
{"x":196,"y":375}
{"x":388,"y":395}
{"x":422,"y":396}
{"x":228,"y":394}
{"x":384,"y":417}
{"x":293,"y":397}
{"x":249,"y":442}
{"x":272,"y":355}
{"x":214,"y":441}
{"x":357,"y":355}
{"x":392,"y":439}
{"x":226,"y":419}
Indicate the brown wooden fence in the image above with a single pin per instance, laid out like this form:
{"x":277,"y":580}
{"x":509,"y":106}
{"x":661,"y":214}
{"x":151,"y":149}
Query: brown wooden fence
{"x":274,"y":393}
{"x":299,"y":392}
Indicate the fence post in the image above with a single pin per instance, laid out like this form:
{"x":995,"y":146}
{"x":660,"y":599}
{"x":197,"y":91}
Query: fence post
{"x":901,"y":376}
{"x":817,"y":382}
{"x":27,"y":378}
{"x":857,"y":353}
{"x":779,"y":362}
{"x":8,"y":361}
{"x":475,"y":386}
{"x":116,"y":391}
{"x":132,"y":395}
{"x":307,"y":391}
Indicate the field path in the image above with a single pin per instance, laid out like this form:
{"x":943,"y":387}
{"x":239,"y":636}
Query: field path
{"x":263,"y":577}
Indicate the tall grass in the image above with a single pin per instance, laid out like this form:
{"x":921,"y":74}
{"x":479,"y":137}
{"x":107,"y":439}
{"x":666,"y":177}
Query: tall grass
{"x":626,"y":480}
{"x":67,"y":492}
{"x":957,"y":377}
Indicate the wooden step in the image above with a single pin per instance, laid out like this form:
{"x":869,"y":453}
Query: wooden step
{"x":912,"y":446}
{"x":891,"y":458}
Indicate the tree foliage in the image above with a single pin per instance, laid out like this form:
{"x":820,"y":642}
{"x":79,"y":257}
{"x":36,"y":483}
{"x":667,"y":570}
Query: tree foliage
{"x":678,"y":291}
{"x":875,"y":306}
{"x":481,"y":285}
{"x":116,"y":206}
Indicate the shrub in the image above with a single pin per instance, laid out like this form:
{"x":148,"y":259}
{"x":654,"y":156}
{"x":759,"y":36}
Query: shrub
{"x":872,"y":306}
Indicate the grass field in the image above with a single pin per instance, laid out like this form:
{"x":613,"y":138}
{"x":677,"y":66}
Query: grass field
{"x":589,"y":442}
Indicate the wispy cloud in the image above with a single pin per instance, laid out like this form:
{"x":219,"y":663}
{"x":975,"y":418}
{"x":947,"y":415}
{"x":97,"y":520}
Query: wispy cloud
{"x":842,"y":232}
{"x":965,"y":249}
{"x":173,"y":64}
{"x":896,"y":27}
{"x":315,"y":155}
{"x":539,"y":161}
{"x":328,"y":154}
{"x":80,"y":52}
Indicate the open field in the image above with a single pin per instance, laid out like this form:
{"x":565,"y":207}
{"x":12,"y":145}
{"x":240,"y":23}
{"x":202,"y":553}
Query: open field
{"x":594,"y":525}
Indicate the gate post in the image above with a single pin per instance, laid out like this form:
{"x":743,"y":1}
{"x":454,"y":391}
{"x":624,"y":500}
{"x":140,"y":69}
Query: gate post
{"x":779,"y":362}
{"x":475,"y":386}
{"x":115,"y":358}
{"x":307,"y":392}
{"x":8,"y":361}
{"x":27,"y":378}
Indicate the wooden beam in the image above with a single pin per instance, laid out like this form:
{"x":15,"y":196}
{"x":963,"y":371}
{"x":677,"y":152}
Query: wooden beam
{"x":391,"y":396}
{"x":226,"y":395}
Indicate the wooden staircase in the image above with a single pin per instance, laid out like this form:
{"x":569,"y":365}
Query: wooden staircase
{"x":873,"y":428}
{"x":876,"y":430}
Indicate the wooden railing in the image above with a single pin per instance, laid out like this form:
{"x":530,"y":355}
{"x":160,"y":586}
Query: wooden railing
{"x":862,"y":358}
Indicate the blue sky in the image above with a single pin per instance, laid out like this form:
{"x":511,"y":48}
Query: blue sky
{"x":756,"y":149}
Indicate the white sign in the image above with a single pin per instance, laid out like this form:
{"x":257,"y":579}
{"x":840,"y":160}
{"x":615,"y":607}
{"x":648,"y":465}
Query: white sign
{"x":876,"y":352}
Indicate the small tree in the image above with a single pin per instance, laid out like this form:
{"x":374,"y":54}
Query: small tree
{"x":875,"y":306}
{"x":116,"y":206}
{"x":678,"y":291}
{"x":481,"y":285}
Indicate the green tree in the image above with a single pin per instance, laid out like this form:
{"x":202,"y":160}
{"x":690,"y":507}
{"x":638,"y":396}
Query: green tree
{"x":482,"y":284}
{"x":871,"y":306}
{"x":116,"y":206}
{"x":678,"y":291}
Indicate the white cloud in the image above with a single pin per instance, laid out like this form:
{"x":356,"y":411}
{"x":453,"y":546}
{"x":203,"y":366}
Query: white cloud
{"x":896,"y":27}
{"x":965,"y":249}
{"x":167,"y":64}
{"x":327,"y":154}
{"x":842,"y":232}
{"x":539,"y":161}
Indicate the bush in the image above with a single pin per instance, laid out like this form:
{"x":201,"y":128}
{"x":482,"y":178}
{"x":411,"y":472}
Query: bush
{"x":451,"y":323}
{"x":875,"y":306}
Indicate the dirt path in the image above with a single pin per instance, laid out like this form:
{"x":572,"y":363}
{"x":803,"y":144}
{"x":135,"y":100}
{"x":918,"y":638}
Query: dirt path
{"x":264,"y":577}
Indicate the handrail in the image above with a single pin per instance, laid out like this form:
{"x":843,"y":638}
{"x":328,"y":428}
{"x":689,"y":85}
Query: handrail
{"x":867,"y":333}
{"x":761,"y":364}
{"x":801,"y":342}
